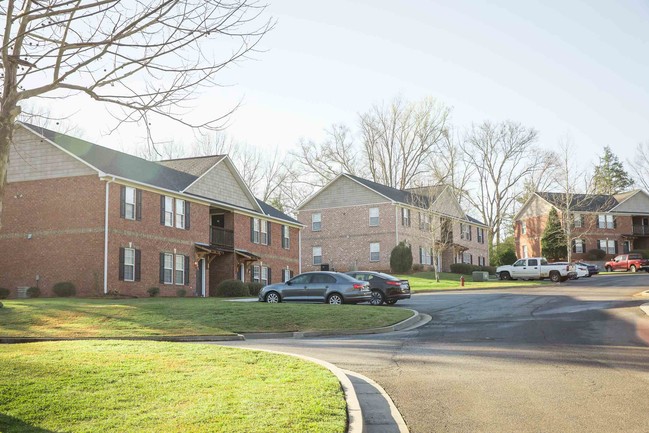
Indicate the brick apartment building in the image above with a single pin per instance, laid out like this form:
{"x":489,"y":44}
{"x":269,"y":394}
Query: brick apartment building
{"x":108,"y":221}
{"x":353,"y":224}
{"x":615,"y":224}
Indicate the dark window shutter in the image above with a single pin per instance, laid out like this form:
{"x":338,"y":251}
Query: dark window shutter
{"x":599,"y":245}
{"x":162,"y":209}
{"x":421,"y":255}
{"x":121,"y":264}
{"x":290,"y":274}
{"x":187,"y":212}
{"x":615,"y":225}
{"x":470,"y":234}
{"x":162,"y":266}
{"x":138,"y":262}
{"x":186,"y":270}
{"x":138,"y":204}
{"x":615,"y":246}
{"x":269,"y":277}
{"x":574,"y":246}
{"x":283,"y":237}
{"x":583,"y":245}
{"x":252,"y":230}
{"x":268,"y":229}
{"x":122,"y":201}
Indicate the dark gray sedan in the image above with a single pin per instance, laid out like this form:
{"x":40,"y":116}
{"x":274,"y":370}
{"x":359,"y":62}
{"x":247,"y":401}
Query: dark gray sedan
{"x":329,"y":287}
{"x":385,"y":288}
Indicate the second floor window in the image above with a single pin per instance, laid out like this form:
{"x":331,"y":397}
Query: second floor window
{"x":465,"y":231}
{"x":374,"y":216}
{"x":405,"y":217}
{"x":316,"y":222}
{"x":180,"y":214}
{"x":129,"y":203}
{"x":255,"y":235}
{"x":578,"y":219}
{"x":169,"y":211}
{"x":317,"y":255}
{"x":606,"y":221}
{"x":286,"y":239}
{"x":480,"y":235}
{"x":174,"y":209}
{"x":130,"y":206}
{"x":523,"y":228}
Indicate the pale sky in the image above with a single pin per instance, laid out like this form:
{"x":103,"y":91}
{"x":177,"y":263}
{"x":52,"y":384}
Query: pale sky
{"x":563,"y":67}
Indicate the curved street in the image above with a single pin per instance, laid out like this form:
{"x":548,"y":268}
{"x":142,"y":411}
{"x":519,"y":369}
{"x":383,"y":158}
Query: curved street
{"x":571,"y":357}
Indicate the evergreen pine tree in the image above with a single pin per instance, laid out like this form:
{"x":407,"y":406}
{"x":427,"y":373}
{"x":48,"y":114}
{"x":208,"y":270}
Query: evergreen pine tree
{"x":553,"y":241}
{"x":610,"y":176}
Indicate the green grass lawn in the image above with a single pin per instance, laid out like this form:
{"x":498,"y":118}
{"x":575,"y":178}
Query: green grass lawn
{"x":71,"y":317}
{"x":122,"y":386}
{"x":425,"y":281}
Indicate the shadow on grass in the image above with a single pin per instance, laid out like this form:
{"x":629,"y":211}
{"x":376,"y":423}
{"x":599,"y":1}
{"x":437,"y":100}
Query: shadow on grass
{"x":9,"y":424}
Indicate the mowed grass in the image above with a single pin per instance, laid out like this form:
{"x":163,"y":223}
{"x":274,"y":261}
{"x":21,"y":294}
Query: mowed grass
{"x":181,"y":317}
{"x":122,"y":386}
{"x":425,"y":281}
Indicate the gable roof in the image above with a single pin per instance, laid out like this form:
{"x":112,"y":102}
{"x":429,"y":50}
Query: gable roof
{"x":411,"y":197}
{"x":581,"y":202}
{"x":117,"y":163}
{"x":173,"y":175}
{"x":195,"y":166}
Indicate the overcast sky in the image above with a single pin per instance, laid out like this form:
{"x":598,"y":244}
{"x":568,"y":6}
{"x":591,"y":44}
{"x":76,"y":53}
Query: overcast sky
{"x":577,"y":68}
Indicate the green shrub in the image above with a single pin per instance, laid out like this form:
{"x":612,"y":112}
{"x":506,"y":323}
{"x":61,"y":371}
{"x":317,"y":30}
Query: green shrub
{"x":1,"y":305}
{"x":153,"y":291}
{"x":181,"y":293}
{"x":417,"y":267}
{"x":595,"y":254}
{"x":4,"y":293}
{"x":33,"y":292}
{"x":254,"y":288}
{"x":232,"y":289}
{"x":401,"y":258}
{"x":64,"y":289}
{"x":645,"y":253}
{"x":462,"y":268}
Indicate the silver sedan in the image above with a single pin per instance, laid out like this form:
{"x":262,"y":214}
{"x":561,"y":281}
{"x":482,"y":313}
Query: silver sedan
{"x":329,"y":287}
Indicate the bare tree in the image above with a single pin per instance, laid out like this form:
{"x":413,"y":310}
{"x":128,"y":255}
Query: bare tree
{"x":448,"y":167}
{"x":398,"y":139}
{"x":640,"y":165}
{"x":501,"y":155}
{"x":146,"y":59}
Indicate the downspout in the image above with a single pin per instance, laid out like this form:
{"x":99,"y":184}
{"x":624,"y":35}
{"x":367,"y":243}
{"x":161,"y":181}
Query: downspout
{"x":299,"y":257}
{"x":108,"y":182}
{"x":396,"y":222}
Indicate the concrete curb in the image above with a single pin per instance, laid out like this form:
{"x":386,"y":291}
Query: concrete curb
{"x":394,"y":412}
{"x":355,"y":423}
{"x":407,"y":323}
{"x":177,"y":339}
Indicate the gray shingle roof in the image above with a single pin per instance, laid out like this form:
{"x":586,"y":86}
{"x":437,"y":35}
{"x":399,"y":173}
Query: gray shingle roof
{"x":402,"y":196}
{"x":275,"y":213}
{"x":118,"y":163}
{"x":581,"y":202}
{"x":196,"y":166}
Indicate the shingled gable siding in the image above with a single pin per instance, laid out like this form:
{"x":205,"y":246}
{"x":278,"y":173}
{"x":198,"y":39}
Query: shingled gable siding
{"x":33,"y":158}
{"x":344,"y":192}
{"x":220,"y":184}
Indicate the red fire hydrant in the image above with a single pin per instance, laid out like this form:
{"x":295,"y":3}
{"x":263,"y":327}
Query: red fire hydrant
{"x":462,"y":281}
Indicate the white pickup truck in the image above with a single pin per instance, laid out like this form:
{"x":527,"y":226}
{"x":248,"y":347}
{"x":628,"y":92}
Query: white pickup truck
{"x":535,"y":268}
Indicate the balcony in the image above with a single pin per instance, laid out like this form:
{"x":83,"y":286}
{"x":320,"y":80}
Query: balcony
{"x":221,"y":237}
{"x":641,"y":230}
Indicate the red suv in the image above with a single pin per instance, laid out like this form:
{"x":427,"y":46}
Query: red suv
{"x":627,"y":262}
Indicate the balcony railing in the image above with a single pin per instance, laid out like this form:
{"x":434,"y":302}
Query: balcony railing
{"x":221,"y":237}
{"x":641,"y":230}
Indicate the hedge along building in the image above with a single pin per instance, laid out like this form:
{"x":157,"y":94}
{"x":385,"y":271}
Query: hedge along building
{"x":108,"y":221}
{"x":354,"y":223}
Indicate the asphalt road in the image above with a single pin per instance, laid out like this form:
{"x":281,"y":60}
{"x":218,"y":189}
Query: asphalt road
{"x":570,"y":357}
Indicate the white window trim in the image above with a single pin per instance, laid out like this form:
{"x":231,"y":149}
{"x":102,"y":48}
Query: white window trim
{"x":264,"y":275}
{"x":165,"y":269}
{"x":523,"y":228}
{"x":169,"y":211}
{"x":180,"y":213}
{"x":314,"y":255}
{"x":316,"y":220}
{"x":256,"y":274}
{"x":129,"y":193}
{"x":579,"y":246}
{"x":577,"y":220}
{"x":377,"y":247}
{"x":286,"y":236}
{"x":178,"y":269}
{"x":286,"y":275}
{"x":126,"y":264}
{"x":374,"y":217}
{"x":256,"y":230}
{"x":263,"y":232}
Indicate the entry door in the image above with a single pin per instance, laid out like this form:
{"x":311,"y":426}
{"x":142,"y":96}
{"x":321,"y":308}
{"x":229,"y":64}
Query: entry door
{"x":200,"y":278}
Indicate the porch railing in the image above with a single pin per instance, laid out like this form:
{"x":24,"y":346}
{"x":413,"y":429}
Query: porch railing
{"x":641,"y":230}
{"x":221,"y":237}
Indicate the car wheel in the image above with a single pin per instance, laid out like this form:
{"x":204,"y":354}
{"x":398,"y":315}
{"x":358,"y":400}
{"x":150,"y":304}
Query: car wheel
{"x":391,"y":302}
{"x":334,"y":299}
{"x":555,"y":276}
{"x":632,"y":268}
{"x":609,"y":269}
{"x":273,"y":298}
{"x":505,"y":276}
{"x":376,"y":297}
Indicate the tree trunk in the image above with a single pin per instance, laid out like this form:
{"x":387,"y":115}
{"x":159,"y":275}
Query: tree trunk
{"x":7,"y":125}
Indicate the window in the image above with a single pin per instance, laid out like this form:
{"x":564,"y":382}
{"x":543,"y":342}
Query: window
{"x":480,"y":234}
{"x":579,"y":245}
{"x":424,"y":256}
{"x":286,"y":275}
{"x":467,"y":258}
{"x":523,"y":227}
{"x":169,"y":211}
{"x":256,"y":274}
{"x":427,"y":222}
{"x":578,"y":220}
{"x":286,"y":239}
{"x":316,"y":222}
{"x":129,"y":203}
{"x":180,"y":214}
{"x":374,"y":216}
{"x":168,"y":268}
{"x":405,"y":217}
{"x":317,"y":255}
{"x":180,"y":269}
{"x":524,"y":250}
{"x":375,"y":251}
{"x":465,"y":231}
{"x":532,"y":262}
{"x":256,"y":222}
{"x":264,"y":232}
{"x":607,"y":245}
{"x":606,"y":222}
{"x":264,"y":275}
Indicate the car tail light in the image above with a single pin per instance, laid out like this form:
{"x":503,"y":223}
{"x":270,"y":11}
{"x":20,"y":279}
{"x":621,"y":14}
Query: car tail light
{"x":358,"y":286}
{"x":393,"y":283}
